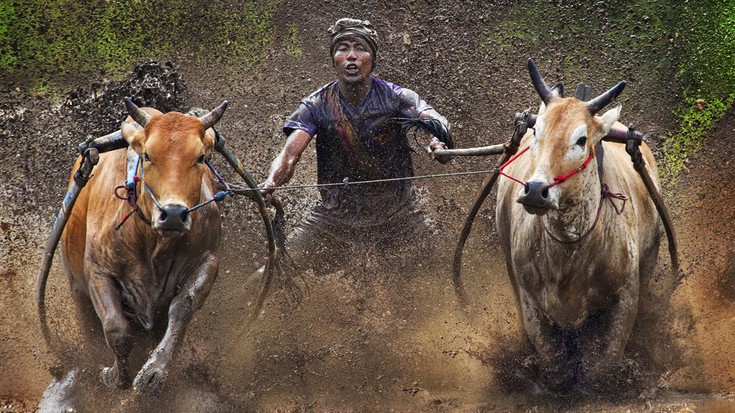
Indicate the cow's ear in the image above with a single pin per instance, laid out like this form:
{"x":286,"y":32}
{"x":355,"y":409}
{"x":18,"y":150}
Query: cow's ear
{"x":133,"y":135}
{"x":208,"y":140}
{"x":557,"y":91}
{"x":609,"y":118}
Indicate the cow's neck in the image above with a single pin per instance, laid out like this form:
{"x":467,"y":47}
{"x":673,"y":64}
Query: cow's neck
{"x":577,"y":215}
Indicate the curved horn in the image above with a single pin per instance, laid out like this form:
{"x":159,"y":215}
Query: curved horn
{"x":596,"y":104}
{"x":211,"y":118}
{"x":136,"y":113}
{"x":538,"y":82}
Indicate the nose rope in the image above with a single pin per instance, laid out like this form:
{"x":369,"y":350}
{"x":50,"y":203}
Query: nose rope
{"x":219,"y":196}
{"x":500,"y":170}
{"x":150,"y":192}
{"x":605,"y":193}
{"x":137,"y":176}
{"x":558,"y":180}
{"x":561,"y":178}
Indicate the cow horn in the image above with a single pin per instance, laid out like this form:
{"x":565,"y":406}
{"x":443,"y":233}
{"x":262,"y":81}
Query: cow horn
{"x":538,"y":82}
{"x":136,"y":113}
{"x":596,"y":104}
{"x":211,"y":118}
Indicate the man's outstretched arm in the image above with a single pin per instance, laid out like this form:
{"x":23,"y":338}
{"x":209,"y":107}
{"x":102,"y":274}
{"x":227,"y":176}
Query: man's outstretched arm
{"x":283,"y":166}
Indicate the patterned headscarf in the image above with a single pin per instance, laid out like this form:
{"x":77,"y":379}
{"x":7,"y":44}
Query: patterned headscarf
{"x":359,"y":30}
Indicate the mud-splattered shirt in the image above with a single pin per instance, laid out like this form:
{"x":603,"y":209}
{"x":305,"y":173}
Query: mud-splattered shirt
{"x":358,"y":143}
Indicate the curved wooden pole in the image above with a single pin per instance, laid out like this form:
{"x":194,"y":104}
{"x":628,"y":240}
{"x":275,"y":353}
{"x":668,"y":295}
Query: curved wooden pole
{"x":479,"y":151}
{"x":521,"y":121}
{"x":632,"y":145}
{"x":90,"y":158}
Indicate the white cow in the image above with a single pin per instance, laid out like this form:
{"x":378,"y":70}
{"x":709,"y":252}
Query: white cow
{"x":575,"y":256}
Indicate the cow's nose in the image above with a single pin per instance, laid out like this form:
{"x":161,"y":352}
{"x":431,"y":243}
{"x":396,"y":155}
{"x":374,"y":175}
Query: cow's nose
{"x":536,"y":195}
{"x":174,"y":217}
{"x":536,"y":189}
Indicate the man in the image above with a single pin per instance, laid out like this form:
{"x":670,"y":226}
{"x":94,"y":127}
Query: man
{"x":357,"y":139}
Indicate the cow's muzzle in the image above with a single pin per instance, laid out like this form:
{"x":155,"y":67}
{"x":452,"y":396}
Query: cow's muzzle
{"x":536,"y":198}
{"x":172,"y":220}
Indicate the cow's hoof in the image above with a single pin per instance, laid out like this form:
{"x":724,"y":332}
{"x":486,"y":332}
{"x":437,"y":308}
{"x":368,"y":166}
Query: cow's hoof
{"x":111,"y":377}
{"x":108,"y":376}
{"x":621,"y":378}
{"x":150,"y":379}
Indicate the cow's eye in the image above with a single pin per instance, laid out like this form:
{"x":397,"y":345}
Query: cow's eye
{"x":200,"y":159}
{"x":146,"y":157}
{"x":582,"y":141}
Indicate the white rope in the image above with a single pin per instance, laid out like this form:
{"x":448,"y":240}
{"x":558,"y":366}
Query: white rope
{"x":374,"y":181}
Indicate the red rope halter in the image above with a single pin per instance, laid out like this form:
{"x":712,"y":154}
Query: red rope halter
{"x":559,"y":179}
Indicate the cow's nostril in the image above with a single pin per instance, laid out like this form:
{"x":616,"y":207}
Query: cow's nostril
{"x":545,"y":193}
{"x":174,"y":216}
{"x":526,"y":189}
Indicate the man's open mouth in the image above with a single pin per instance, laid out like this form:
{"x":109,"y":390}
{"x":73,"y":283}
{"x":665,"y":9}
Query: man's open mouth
{"x":352,"y":69}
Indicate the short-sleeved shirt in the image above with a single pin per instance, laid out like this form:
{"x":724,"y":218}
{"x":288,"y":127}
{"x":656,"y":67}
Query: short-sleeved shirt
{"x":359,"y":143}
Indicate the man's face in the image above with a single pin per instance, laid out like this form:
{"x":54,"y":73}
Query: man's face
{"x":352,"y":61}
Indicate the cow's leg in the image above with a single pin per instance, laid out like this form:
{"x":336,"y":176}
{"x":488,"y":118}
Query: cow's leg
{"x":108,"y":305}
{"x":551,"y":346}
{"x":189,"y":299}
{"x":604,"y":359}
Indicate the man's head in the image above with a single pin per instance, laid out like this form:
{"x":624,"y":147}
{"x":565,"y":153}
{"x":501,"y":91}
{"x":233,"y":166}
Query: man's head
{"x":360,"y":31}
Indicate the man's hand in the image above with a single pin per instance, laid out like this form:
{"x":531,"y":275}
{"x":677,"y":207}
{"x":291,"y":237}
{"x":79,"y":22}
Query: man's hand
{"x":433,"y":146}
{"x":266,"y":191}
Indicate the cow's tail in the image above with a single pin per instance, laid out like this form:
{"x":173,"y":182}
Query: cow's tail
{"x":281,"y":273}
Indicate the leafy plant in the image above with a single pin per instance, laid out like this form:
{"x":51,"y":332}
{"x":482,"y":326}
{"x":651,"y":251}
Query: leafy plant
{"x":293,"y":43}
{"x":705,"y":38}
{"x":47,"y":40}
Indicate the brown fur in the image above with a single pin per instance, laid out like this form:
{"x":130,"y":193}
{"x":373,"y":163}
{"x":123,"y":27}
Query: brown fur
{"x":135,"y":274}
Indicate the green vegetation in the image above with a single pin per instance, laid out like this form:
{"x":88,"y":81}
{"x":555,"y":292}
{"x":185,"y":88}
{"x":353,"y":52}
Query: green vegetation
{"x":588,"y":31}
{"x":705,"y":40}
{"x":696,"y":118}
{"x":41,"y":40}
{"x":293,"y":43}
{"x":234,"y":37}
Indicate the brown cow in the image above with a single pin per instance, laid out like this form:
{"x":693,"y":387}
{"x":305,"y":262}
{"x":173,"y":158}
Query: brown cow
{"x":163,"y":261}
{"x":574,"y":257}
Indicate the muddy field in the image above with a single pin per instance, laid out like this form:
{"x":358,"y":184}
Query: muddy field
{"x":385,"y":332}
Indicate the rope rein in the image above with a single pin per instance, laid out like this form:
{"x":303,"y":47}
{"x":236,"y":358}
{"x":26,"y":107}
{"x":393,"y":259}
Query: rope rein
{"x":558,"y":180}
{"x":239,"y":190}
